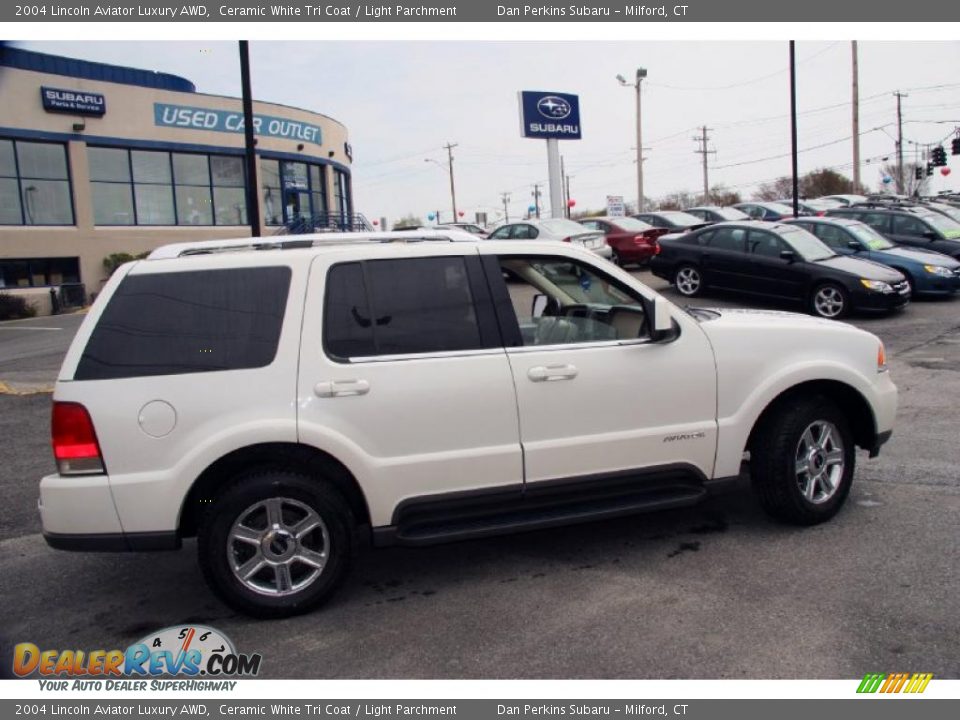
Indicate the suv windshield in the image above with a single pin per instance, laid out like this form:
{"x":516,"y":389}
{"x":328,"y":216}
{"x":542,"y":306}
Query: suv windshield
{"x":806,"y":244}
{"x":866,"y":234}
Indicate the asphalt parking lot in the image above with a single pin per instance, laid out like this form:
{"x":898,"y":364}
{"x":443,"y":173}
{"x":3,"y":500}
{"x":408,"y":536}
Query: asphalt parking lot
{"x":717,"y":591}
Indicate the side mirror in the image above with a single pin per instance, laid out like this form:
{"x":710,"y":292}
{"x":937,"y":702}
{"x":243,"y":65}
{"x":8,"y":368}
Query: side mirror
{"x":664,"y":327}
{"x":539,"y":305}
{"x":855,"y":246}
{"x":930,"y":235}
{"x":788,"y":255}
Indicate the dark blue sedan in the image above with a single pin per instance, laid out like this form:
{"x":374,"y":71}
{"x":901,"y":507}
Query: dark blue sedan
{"x":927,"y":271}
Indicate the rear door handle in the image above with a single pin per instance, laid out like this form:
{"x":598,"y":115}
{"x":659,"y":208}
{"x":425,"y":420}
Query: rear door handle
{"x":341,"y":388}
{"x":552,"y":373}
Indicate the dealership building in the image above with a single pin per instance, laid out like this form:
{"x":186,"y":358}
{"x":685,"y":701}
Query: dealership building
{"x":100,"y":159}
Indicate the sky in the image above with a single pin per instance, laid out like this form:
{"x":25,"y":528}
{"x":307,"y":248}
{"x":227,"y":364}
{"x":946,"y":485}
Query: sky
{"x":402,"y":101}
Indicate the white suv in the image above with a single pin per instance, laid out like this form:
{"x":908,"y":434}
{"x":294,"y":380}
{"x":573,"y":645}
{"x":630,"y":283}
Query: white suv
{"x":273,"y":399}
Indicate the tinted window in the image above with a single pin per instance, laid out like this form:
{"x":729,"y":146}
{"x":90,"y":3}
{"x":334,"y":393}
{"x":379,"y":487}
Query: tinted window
{"x":501,"y":233}
{"x":729,"y":239}
{"x":903,"y":225}
{"x":524,"y":232}
{"x":878,"y":221}
{"x":187,"y":322}
{"x":394,"y":307}
{"x":765,"y":244}
{"x":831,"y":235}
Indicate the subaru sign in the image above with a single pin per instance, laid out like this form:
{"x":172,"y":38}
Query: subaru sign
{"x":75,"y":102}
{"x":549,"y":115}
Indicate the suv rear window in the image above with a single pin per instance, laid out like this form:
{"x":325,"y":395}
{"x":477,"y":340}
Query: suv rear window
{"x":409,"y":306}
{"x":188,"y":322}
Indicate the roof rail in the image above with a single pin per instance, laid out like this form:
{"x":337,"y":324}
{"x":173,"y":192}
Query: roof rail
{"x":287,"y":242}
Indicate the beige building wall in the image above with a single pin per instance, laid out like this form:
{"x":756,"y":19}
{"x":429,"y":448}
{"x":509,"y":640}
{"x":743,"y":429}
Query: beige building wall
{"x":130,"y":117}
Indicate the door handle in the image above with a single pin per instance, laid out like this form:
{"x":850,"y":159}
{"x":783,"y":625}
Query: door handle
{"x":552,"y":373}
{"x":341,"y":388}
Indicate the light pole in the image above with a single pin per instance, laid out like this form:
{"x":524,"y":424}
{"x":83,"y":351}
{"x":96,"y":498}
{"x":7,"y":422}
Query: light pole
{"x":453,"y":192}
{"x":641,"y":74}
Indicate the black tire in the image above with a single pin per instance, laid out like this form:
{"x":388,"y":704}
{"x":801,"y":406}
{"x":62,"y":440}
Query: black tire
{"x":615,"y":259}
{"x":688,"y":280}
{"x":296,"y":493}
{"x":832,"y":291}
{"x":775,"y":455}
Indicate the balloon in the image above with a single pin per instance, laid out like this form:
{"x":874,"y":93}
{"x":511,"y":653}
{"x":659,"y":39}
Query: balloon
{"x":944,"y":171}
{"x":460,"y":213}
{"x":571,"y":203}
{"x":430,"y":216}
{"x":887,"y":180}
{"x":532,"y":208}
{"x":376,"y":222}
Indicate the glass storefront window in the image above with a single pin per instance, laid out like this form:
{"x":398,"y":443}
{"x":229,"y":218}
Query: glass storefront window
{"x":36,"y":272}
{"x":230,"y":207}
{"x":155,"y":205}
{"x":193,"y":205}
{"x":293,"y":192}
{"x":191,"y":169}
{"x":34,"y":184}
{"x":112,"y":204}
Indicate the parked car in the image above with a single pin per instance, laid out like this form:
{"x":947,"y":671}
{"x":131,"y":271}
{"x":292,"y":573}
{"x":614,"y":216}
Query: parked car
{"x":845,"y":200}
{"x":769,"y":211}
{"x":671,"y":220}
{"x":950,"y":211}
{"x":558,"y":229}
{"x":283,"y":405}
{"x":713,"y":213}
{"x":811,"y":207}
{"x":779,"y":261}
{"x":468,"y":227}
{"x":630,"y":240}
{"x":907,"y":225}
{"x":928,"y":272}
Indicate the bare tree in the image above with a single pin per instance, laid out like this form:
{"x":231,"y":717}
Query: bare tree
{"x":776,"y":190}
{"x":911,"y":186}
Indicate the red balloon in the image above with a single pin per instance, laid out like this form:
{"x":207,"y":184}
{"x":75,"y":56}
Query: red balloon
{"x":571,"y":203}
{"x":944,"y":171}
{"x":376,"y":222}
{"x":460,"y":213}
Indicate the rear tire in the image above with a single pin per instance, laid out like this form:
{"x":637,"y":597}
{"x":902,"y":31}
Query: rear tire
{"x":802,"y":460}
{"x":276,"y":543}
{"x":688,"y":280}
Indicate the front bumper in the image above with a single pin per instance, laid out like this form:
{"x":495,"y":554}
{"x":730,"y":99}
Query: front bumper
{"x":870,"y":300}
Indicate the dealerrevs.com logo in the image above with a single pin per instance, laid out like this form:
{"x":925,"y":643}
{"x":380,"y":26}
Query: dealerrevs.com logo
{"x":191,"y":651}
{"x":887,"y":683}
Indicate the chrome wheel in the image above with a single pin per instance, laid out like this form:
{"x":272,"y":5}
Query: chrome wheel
{"x":278,"y":546}
{"x":688,"y":280}
{"x":829,"y":301}
{"x":819,"y":461}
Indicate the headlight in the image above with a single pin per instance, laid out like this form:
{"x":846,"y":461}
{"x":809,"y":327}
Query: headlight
{"x":877,"y":286}
{"x":938,"y":270}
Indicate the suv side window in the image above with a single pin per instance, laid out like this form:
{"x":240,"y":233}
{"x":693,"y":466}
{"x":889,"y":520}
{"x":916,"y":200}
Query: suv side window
{"x":905,"y":225}
{"x":188,"y":322}
{"x":407,"y":306}
{"x":501,"y":233}
{"x":559,"y":301}
{"x":732,"y":239}
{"x":831,"y":236}
{"x":878,"y":221}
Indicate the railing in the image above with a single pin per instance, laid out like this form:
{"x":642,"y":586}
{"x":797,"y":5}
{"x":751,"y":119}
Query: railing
{"x":325,"y":222}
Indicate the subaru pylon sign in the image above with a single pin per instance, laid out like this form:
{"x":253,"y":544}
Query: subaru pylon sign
{"x":549,"y":115}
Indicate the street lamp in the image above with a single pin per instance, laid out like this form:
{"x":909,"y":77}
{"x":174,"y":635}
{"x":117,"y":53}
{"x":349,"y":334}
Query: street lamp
{"x":641,"y":74}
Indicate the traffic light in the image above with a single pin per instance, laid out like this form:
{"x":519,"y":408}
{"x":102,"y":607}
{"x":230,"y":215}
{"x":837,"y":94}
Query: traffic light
{"x":929,"y":169}
{"x":938,"y":156}
{"x":955,"y":146}
{"x":918,"y":173}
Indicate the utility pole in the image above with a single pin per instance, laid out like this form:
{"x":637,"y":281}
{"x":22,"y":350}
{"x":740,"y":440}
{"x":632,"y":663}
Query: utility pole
{"x":253,"y":200}
{"x":641,"y":74}
{"x":702,"y":140}
{"x":536,"y":199}
{"x":563,"y":190}
{"x":453,"y":192}
{"x":901,"y":186}
{"x":856,"y":118}
{"x":566,"y":184}
{"x":793,"y":128}
{"x":506,"y":206}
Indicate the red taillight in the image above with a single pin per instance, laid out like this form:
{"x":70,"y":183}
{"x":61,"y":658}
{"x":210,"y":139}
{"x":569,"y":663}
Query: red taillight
{"x":566,"y":239}
{"x":75,"y":445}
{"x":656,"y":248}
{"x":821,"y":213}
{"x":641,"y":239}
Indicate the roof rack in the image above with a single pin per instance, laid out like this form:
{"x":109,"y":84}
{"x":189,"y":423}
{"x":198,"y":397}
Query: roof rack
{"x":326,"y":239}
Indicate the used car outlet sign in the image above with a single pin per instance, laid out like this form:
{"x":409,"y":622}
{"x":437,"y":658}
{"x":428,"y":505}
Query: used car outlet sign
{"x":194,"y":118}
{"x":549,"y":115}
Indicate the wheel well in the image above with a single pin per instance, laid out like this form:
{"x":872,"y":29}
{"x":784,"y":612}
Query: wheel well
{"x":287,"y":456}
{"x":851,"y":403}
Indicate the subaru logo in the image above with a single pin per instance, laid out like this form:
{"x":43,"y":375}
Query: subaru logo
{"x":553,"y":107}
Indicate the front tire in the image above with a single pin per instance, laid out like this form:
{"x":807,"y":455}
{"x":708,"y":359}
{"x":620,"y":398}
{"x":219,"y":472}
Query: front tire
{"x":688,"y":281}
{"x":830,"y":301}
{"x":276,"y":543}
{"x":802,"y":461}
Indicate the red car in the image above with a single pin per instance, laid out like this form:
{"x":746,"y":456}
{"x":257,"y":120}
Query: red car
{"x":632,"y":241}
